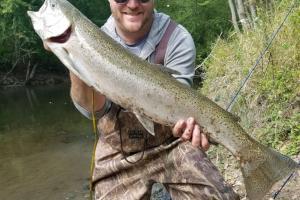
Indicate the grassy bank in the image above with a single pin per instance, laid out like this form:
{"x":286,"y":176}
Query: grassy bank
{"x":269,"y":105}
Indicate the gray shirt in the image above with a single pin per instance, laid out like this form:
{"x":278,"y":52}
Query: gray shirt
{"x":180,"y":54}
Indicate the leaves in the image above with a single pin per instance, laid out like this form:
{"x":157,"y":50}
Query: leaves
{"x":11,"y":6}
{"x":19,"y":44}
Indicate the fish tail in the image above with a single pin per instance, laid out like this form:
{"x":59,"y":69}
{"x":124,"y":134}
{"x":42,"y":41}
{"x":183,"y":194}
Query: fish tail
{"x":261,"y":172}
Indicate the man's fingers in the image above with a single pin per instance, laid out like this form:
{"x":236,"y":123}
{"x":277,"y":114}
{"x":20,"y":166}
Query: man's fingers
{"x":189,"y":130}
{"x":196,"y":140}
{"x":204,"y":142}
{"x":178,"y":128}
{"x":187,"y":134}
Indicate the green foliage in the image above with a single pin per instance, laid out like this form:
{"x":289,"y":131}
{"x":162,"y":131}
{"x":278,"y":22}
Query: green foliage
{"x":270,"y":103}
{"x":19,"y":44}
{"x":15,"y":43}
{"x":205,"y":19}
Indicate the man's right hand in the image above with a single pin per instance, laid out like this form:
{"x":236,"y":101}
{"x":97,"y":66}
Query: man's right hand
{"x":189,"y":130}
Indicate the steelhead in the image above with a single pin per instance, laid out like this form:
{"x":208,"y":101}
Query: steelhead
{"x":150,"y":92}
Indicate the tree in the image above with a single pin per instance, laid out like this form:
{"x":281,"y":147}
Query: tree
{"x":233,"y":16}
{"x":243,"y":14}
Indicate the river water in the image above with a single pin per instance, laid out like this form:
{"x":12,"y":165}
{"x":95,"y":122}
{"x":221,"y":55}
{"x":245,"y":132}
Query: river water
{"x":45,"y":145}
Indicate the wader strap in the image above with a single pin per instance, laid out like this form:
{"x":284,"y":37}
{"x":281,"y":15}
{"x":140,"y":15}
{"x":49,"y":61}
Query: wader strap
{"x":121,"y":141}
{"x":161,"y":48}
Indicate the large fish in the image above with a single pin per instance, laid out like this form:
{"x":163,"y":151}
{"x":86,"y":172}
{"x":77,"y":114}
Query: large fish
{"x":150,"y":92}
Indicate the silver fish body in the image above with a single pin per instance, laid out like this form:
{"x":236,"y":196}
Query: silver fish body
{"x":150,"y":93}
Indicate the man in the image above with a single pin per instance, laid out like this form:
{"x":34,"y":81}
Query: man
{"x":128,"y":160}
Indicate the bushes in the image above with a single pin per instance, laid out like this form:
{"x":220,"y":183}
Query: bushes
{"x":270,"y":103}
{"x":20,"y":47}
{"x":16,"y":42}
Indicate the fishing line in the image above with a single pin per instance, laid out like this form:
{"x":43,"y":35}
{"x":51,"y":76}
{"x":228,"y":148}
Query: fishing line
{"x":234,"y":98}
{"x":92,"y":165}
{"x":282,"y":186}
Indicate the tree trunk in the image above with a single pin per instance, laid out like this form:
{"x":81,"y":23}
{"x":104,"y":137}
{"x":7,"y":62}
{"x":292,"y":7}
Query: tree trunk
{"x":242,"y":15}
{"x":248,"y":15}
{"x":233,"y":16}
{"x":252,"y":7}
{"x":30,"y":72}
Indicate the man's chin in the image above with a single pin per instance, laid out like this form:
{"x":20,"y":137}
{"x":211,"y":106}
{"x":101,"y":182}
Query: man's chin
{"x":133,"y":28}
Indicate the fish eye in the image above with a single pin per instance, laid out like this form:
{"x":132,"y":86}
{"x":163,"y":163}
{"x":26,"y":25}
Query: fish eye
{"x":53,"y":5}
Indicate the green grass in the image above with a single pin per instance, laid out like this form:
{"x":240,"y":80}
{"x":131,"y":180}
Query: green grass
{"x":269,"y":105}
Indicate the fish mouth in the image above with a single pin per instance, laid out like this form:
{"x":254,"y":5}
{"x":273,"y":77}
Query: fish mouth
{"x":62,"y":38}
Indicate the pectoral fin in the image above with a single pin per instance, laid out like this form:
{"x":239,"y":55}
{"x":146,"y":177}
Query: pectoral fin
{"x":147,"y":123}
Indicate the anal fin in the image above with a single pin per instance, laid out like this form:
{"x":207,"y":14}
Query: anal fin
{"x":147,"y":123}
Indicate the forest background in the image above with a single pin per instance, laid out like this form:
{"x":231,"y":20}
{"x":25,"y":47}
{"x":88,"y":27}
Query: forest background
{"x":229,"y":36}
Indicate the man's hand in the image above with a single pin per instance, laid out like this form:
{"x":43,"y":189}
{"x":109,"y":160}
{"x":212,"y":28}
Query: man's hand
{"x":190,"y":130}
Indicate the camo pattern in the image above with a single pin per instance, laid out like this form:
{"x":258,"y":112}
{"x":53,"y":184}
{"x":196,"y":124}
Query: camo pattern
{"x":119,"y":122}
{"x":185,"y":171}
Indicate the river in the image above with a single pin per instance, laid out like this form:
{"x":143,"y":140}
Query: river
{"x":45,"y":145}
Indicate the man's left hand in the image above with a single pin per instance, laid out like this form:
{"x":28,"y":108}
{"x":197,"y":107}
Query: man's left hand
{"x":190,"y":130}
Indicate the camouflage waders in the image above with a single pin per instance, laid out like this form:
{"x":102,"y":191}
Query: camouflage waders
{"x":184,"y":170}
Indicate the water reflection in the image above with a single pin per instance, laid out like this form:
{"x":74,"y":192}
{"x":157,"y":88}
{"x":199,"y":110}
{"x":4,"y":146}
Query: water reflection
{"x":45,"y":145}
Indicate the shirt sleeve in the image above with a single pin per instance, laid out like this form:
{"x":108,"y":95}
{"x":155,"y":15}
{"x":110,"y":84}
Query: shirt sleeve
{"x":98,"y":114}
{"x":181,"y":54}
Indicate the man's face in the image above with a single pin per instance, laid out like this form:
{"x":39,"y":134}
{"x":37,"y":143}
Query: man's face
{"x":132,"y":16}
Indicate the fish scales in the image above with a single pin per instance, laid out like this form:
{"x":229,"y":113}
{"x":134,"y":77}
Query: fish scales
{"x":147,"y":91}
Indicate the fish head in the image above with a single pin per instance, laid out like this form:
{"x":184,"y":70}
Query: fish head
{"x":54,"y":22}
{"x":51,"y":20}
